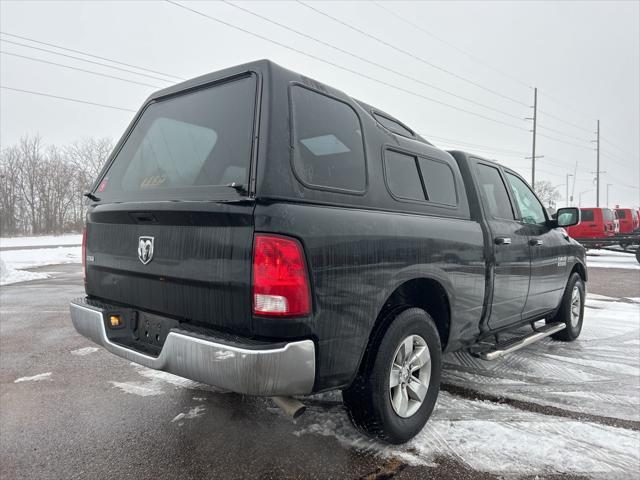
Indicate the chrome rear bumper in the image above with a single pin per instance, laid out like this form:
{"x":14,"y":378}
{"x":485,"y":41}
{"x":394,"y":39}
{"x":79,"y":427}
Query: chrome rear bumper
{"x":283,"y":370}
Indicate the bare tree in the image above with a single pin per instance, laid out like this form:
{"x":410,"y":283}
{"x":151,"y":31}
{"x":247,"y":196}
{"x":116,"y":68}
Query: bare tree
{"x":41,"y":187}
{"x":9,"y":195}
{"x":30,"y":180}
{"x":547,"y":193}
{"x":87,"y":156}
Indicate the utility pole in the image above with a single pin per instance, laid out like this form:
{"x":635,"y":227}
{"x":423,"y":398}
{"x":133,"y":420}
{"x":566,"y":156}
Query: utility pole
{"x":597,"y":165}
{"x":533,"y":149}
{"x":597,"y":180}
{"x":567,"y":191}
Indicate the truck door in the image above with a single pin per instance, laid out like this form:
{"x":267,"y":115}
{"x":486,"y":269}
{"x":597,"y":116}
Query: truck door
{"x":548,"y":250}
{"x":509,"y":239}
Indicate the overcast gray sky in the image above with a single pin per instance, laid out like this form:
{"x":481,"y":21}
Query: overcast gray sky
{"x":584,"y":57}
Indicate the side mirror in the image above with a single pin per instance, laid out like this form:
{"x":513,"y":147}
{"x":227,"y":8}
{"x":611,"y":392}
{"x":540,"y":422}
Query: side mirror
{"x":567,"y":217}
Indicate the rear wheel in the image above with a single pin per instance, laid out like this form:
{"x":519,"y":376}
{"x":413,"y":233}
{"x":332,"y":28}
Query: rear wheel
{"x":571,"y":310}
{"x":393,"y":396}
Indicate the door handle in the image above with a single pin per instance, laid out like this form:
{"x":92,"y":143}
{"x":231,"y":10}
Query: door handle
{"x":535,"y":242}
{"x":503,"y":241}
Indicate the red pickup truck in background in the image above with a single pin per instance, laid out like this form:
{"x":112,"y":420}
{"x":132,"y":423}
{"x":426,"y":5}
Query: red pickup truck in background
{"x":604,"y":227}
{"x":595,"y":223}
{"x":628,"y":218}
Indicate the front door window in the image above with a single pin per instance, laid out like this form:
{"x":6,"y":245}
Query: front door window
{"x":531,"y":209}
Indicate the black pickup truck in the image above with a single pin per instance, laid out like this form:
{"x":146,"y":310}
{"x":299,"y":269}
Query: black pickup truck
{"x":260,"y":231}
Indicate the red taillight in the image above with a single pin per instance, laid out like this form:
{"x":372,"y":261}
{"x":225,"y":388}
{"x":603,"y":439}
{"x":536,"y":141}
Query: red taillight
{"x":280,"y":281}
{"x":84,"y":253}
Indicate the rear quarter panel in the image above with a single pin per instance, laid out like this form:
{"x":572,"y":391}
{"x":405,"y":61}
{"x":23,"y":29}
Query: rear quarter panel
{"x":358,"y":257}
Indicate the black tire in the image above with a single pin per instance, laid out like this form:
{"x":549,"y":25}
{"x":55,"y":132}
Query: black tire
{"x":573,"y":329}
{"x":368,"y":399}
{"x":638,"y":254}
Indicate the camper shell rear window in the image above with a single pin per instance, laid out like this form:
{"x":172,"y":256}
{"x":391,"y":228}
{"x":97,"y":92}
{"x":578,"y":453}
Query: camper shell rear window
{"x":190,"y":145}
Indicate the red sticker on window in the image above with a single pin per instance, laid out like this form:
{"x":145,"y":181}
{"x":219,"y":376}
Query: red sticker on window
{"x":103,"y":185}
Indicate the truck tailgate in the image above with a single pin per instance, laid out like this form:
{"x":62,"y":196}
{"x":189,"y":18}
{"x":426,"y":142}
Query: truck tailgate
{"x":200,"y":265}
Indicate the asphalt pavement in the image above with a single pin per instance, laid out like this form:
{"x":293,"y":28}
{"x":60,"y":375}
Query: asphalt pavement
{"x":89,"y":414}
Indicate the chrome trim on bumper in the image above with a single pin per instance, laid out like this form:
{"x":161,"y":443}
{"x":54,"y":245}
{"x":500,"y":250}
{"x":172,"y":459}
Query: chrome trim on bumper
{"x":289,"y":370}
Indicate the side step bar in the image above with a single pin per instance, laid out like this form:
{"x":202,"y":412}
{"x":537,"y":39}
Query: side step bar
{"x":517,"y":344}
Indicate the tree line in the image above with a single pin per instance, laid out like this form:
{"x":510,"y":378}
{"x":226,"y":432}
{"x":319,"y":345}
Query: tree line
{"x":42,"y":186}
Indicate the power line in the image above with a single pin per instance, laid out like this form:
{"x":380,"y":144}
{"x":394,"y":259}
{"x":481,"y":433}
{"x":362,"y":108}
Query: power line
{"x":565,"y":121}
{"x":615,"y":159}
{"x":91,"y":55}
{"x":453,"y":143}
{"x":563,"y":133}
{"x":446,"y":145}
{"x":501,"y":151}
{"x":613,"y":144}
{"x":623,"y":184}
{"x":565,"y":105}
{"x":83,"y":60}
{"x":370,"y":62}
{"x":451,"y":45}
{"x":346,"y":69}
{"x":77,"y":69}
{"x":558,"y":161}
{"x":66,"y":98}
{"x":416,"y":57}
{"x":462,"y":142}
{"x":482,"y":62}
{"x":563,"y":141}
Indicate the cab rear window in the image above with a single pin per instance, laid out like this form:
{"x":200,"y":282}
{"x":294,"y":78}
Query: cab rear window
{"x":187,"y":145}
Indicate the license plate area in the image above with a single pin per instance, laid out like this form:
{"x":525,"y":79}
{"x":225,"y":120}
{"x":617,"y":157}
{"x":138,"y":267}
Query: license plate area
{"x":152,"y":329}
{"x":142,"y":331}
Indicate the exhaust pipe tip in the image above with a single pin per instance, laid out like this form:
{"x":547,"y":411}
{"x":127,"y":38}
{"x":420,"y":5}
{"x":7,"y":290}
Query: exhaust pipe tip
{"x":290,"y":406}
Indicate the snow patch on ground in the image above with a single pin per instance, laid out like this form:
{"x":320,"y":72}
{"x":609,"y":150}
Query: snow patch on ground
{"x":520,"y":443}
{"x":609,"y":259}
{"x":195,"y":412}
{"x":174,"y":380}
{"x":13,"y":263}
{"x":10,"y":275}
{"x":81,"y":352}
{"x":21,"y":259}
{"x":69,"y":239}
{"x":598,"y":374}
{"x":159,"y":382}
{"x":142,"y":389}
{"x":35,"y":378}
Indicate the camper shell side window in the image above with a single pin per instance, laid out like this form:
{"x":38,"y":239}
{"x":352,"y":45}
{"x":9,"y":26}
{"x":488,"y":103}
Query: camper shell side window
{"x":327,"y":144}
